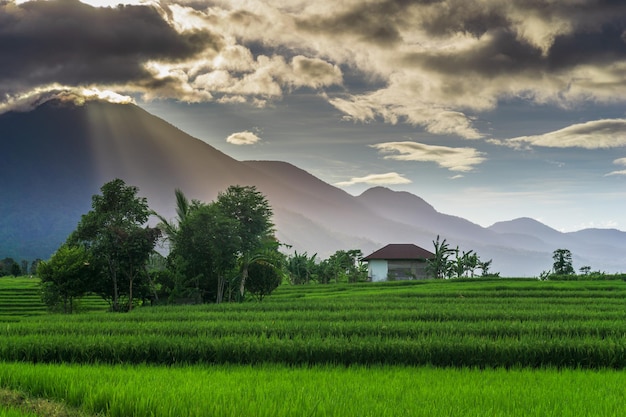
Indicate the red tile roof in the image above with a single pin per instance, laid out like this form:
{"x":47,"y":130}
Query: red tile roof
{"x":403,"y":251}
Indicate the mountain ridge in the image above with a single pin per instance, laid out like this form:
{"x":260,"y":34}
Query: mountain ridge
{"x":60,"y":154}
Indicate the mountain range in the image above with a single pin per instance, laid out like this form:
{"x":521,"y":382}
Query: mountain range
{"x":56,"y":156}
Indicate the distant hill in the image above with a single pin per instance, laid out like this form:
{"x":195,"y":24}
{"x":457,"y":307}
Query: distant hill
{"x":54,"y":158}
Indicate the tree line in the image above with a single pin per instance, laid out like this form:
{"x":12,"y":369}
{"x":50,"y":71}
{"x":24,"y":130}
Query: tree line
{"x":455,"y":263}
{"x":10,"y":267}
{"x":216,"y":252}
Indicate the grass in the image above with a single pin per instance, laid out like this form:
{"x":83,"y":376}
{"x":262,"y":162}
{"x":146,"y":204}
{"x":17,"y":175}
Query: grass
{"x":487,"y":324}
{"x":278,"y":390}
{"x":20,"y":297}
{"x":448,"y":348}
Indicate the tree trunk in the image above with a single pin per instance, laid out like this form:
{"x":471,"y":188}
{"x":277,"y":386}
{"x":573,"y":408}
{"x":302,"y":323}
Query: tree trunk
{"x":220,"y":289}
{"x":130,"y":294}
{"x":244,"y":276}
{"x":113,"y":271}
{"x":152,"y":287}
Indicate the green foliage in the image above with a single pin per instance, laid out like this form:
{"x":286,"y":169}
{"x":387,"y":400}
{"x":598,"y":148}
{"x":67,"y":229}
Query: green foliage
{"x":65,"y":277}
{"x":263,"y":279}
{"x":21,"y":297}
{"x":252,"y":213}
{"x":439,"y":266}
{"x":341,"y":266}
{"x":213,"y":244}
{"x":477,"y":323}
{"x":8,"y":266}
{"x":464,"y":263}
{"x":301,"y":268}
{"x":205,"y":250}
{"x":120,"y":247}
{"x":562,"y":262}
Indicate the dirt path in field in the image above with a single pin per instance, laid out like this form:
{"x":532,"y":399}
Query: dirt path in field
{"x":40,"y":406}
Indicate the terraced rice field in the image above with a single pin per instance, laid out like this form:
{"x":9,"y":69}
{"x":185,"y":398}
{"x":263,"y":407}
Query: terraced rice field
{"x":500,"y":347}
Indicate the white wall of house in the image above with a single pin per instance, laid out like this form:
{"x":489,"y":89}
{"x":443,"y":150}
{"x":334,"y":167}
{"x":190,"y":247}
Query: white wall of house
{"x":377,"y":270}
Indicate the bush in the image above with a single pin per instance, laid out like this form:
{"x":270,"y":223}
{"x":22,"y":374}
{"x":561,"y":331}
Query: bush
{"x":262,"y":279}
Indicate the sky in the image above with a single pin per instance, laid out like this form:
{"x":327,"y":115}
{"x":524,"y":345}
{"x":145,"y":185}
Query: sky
{"x":488,"y":109}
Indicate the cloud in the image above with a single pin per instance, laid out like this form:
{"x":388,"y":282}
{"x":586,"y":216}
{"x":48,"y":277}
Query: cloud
{"x":77,"y":96}
{"x":235,"y":72}
{"x":453,"y":159}
{"x":432,"y":64}
{"x":394,"y":105}
{"x":243,"y":138}
{"x":619,"y":161}
{"x":73,"y":44}
{"x":596,"y":134}
{"x":376,"y":179}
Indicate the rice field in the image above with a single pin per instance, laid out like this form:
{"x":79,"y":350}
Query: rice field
{"x":279,"y":390}
{"x":20,"y":297}
{"x":499,"y":347}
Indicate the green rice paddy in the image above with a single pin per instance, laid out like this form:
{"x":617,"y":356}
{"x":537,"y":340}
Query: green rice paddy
{"x":497,"y":348}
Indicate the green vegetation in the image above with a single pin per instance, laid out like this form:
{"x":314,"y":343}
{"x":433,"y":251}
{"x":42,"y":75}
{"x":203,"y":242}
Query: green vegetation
{"x":20,"y":297}
{"x":341,"y":266}
{"x":563,"y":270}
{"x":424,"y":348}
{"x":277,"y":390}
{"x":498,"y":323}
{"x":472,"y":347}
{"x":464,"y":263}
{"x":19,"y":404}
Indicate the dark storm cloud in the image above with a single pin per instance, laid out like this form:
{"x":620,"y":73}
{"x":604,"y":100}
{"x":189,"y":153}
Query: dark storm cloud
{"x":72,"y":43}
{"x":503,"y":53}
{"x":451,"y":16}
{"x":523,"y":36}
{"x":373,"y":22}
{"x":601,"y":47}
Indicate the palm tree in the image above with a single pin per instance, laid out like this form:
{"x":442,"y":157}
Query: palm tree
{"x":183,"y":208}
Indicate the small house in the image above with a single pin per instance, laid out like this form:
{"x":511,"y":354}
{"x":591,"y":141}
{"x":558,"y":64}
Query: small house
{"x":398,"y":262}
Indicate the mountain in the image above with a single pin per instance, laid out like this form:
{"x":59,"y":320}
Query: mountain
{"x":55,"y":157}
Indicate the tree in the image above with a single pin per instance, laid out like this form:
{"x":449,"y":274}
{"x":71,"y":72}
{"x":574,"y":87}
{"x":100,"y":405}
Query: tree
{"x":7,"y":266}
{"x":16,"y":270}
{"x":34,"y":265}
{"x":183,"y":208}
{"x":345,"y":266}
{"x":65,"y":277}
{"x":113,"y":233}
{"x":263,"y":279}
{"x":301,"y":268}
{"x":562,"y":262}
{"x":484,"y":266}
{"x":439,"y":265}
{"x":205,"y":251}
{"x":252,"y":213}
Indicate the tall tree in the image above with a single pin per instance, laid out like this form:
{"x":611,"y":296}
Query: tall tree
{"x":205,"y":251}
{"x":252,"y":213}
{"x":113,"y":232}
{"x":183,"y":208}
{"x":562,"y":262}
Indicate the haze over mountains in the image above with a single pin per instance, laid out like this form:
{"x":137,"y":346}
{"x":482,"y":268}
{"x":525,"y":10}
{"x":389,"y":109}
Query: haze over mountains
{"x":55,"y":157}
